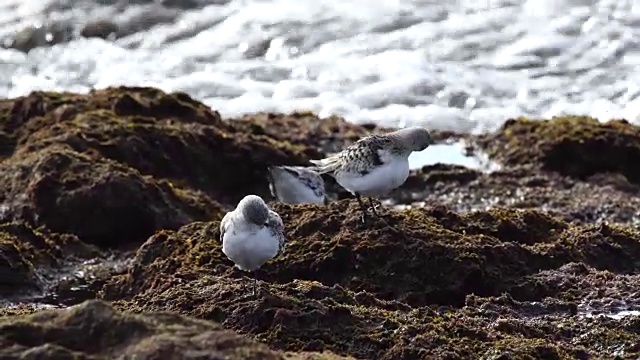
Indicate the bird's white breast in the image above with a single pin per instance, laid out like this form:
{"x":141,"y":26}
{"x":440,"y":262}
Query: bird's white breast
{"x":379,"y":181}
{"x":250,"y":247}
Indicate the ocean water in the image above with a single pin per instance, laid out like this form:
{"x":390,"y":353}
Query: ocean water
{"x":453,"y":153}
{"x":463,"y":65}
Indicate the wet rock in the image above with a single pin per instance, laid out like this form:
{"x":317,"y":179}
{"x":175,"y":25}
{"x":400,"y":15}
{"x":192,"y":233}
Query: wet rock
{"x":94,"y":330}
{"x":185,"y":4}
{"x":30,"y":259}
{"x":430,"y":181}
{"x":102,"y":29}
{"x":40,"y":35}
{"x":571,"y":145}
{"x":600,"y":198}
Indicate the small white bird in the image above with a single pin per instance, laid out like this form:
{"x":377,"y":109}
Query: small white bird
{"x":251,"y":234}
{"x":296,"y":185}
{"x":376,"y":164}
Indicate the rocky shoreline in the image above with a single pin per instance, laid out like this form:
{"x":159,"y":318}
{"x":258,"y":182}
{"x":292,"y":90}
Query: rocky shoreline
{"x":110,"y":203}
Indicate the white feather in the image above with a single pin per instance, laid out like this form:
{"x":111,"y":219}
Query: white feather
{"x":250,"y":245}
{"x":249,"y":249}
{"x":380,"y":180}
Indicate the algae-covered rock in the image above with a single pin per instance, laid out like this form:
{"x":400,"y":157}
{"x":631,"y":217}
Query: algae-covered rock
{"x":370,"y":291}
{"x":94,"y":330}
{"x":168,"y":136}
{"x":329,"y":134}
{"x":101,"y":201}
{"x":117,"y":164}
{"x":418,"y":256}
{"x":576,"y":146}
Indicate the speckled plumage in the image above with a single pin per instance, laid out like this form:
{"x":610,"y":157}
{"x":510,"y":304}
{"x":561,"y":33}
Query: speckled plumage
{"x":367,"y":153}
{"x":276,"y":227}
{"x":373,"y":152}
{"x":375,"y":164}
{"x":296,"y":185}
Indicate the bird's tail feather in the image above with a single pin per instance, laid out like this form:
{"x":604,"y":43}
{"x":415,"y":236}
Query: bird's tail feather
{"x":325,"y":165}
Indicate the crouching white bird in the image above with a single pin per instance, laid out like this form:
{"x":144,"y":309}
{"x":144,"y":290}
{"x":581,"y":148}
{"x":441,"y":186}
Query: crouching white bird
{"x":296,"y":185}
{"x":376,"y":164}
{"x":251,"y":234}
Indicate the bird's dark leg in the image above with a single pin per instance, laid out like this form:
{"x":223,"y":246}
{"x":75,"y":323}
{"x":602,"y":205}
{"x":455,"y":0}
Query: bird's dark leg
{"x":362,"y":207}
{"x":373,"y":207}
{"x":255,"y":285}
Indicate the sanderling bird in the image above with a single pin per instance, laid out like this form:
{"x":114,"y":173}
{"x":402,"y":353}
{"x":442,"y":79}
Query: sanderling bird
{"x":375,"y":164}
{"x":296,"y":185}
{"x":251,"y":234}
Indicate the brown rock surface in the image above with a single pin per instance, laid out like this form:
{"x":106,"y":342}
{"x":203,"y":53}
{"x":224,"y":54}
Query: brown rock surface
{"x":533,"y":260}
{"x":94,"y":330}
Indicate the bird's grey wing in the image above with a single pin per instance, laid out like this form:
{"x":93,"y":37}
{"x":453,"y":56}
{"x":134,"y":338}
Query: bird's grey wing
{"x":224,"y":223}
{"x":308,"y":177}
{"x":358,"y":157}
{"x":277,"y":228}
{"x":365,"y":154}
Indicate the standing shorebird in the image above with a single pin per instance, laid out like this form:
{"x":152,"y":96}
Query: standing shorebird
{"x":375,"y":164}
{"x":251,"y":234}
{"x":296,"y":185}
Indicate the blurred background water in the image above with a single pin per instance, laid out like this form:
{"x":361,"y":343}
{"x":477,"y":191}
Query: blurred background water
{"x":463,"y":65}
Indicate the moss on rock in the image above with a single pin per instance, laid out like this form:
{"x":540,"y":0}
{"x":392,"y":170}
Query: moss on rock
{"x":328,"y":135}
{"x":94,"y":330}
{"x":370,"y":291}
{"x":101,"y":201}
{"x":168,"y":136}
{"x":119,"y":166}
{"x":576,"y":146}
